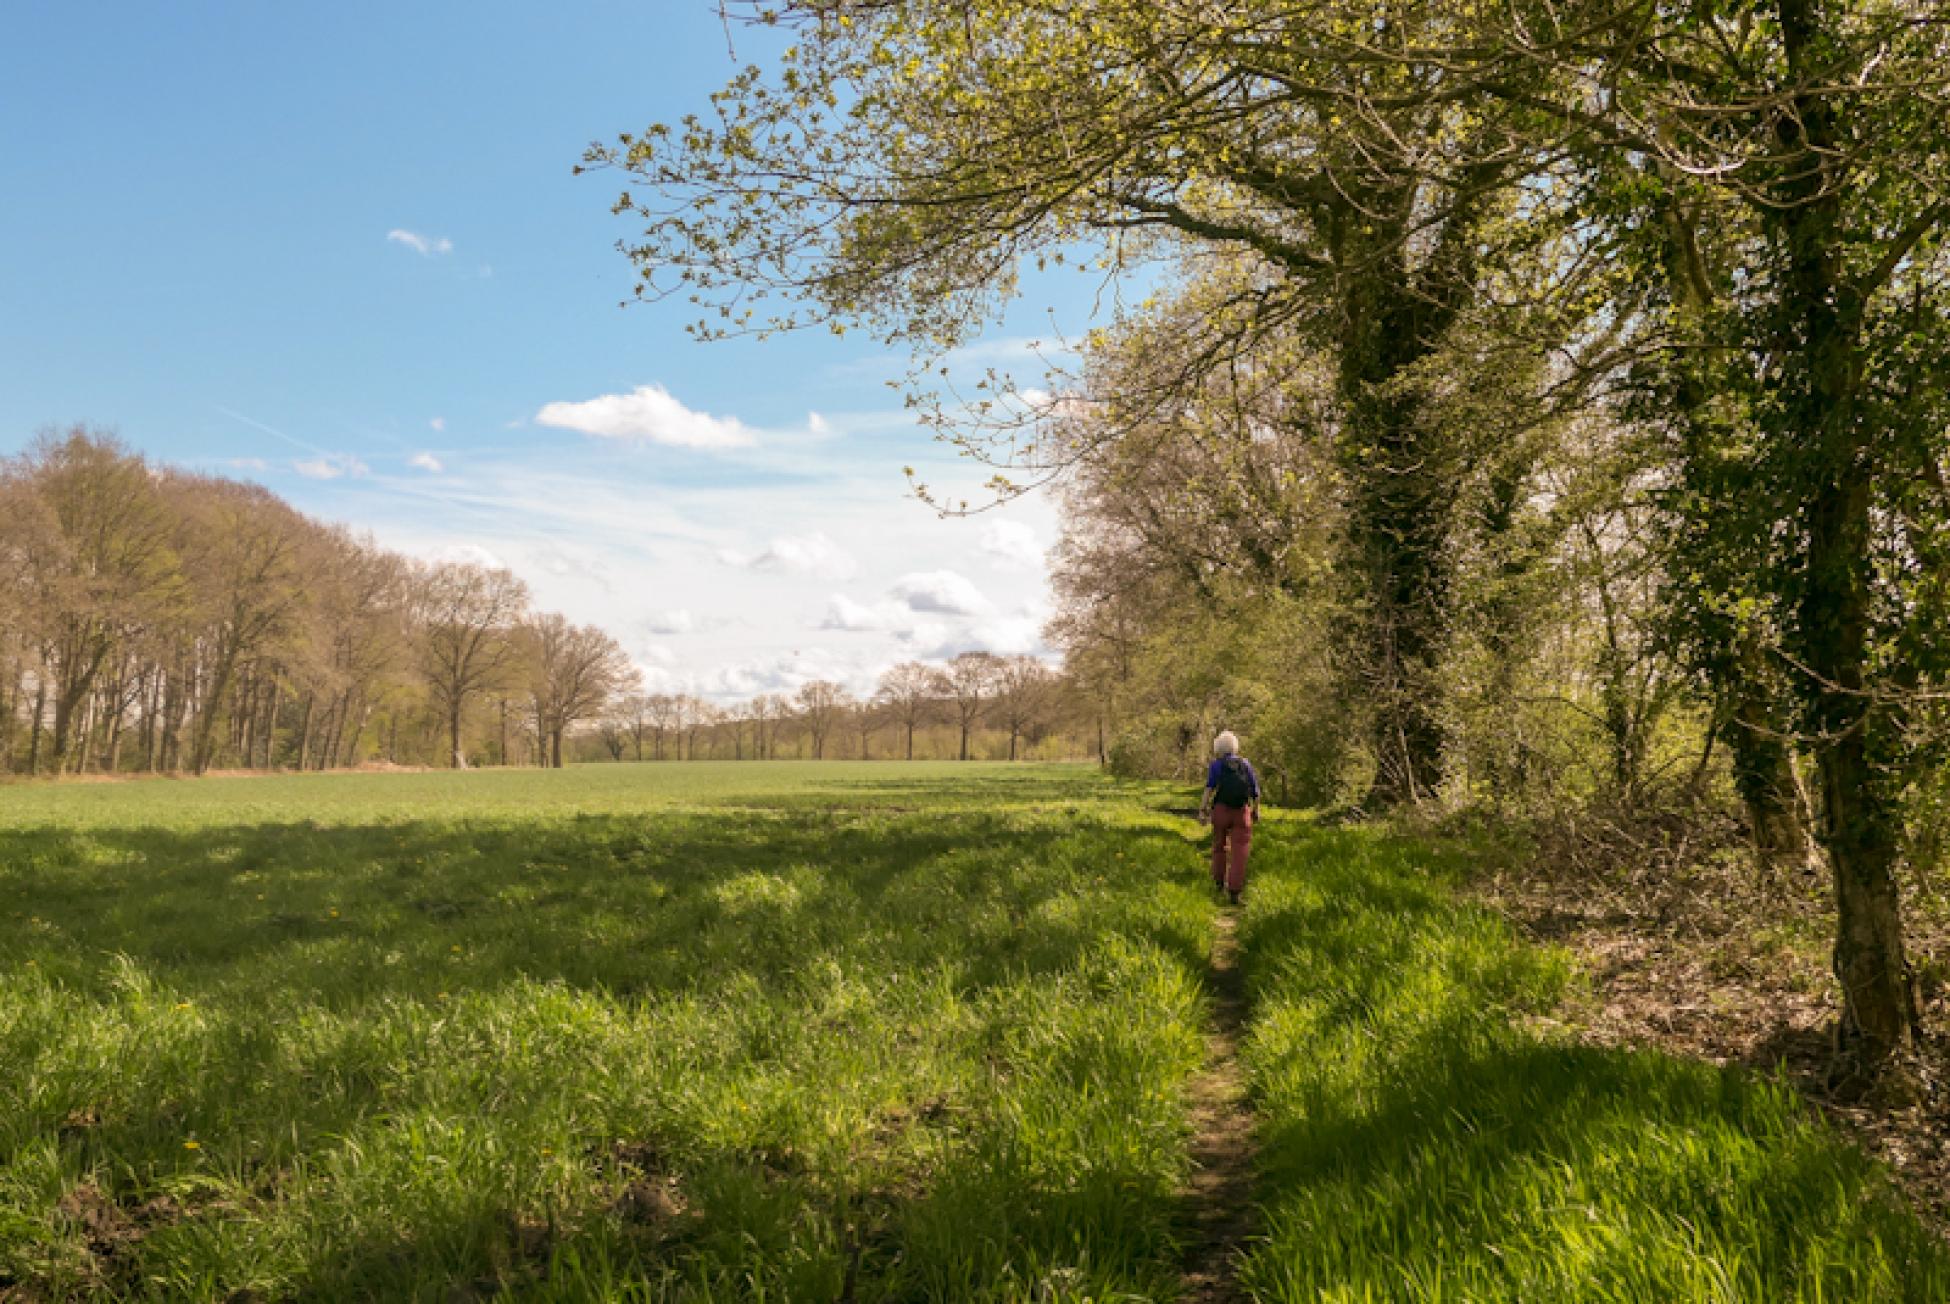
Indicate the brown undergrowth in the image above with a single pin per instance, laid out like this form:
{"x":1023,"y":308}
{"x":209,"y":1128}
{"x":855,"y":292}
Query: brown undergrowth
{"x":1711,"y":960}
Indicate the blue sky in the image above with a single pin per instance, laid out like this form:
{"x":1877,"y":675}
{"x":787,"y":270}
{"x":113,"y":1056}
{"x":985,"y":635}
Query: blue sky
{"x":339,"y":250}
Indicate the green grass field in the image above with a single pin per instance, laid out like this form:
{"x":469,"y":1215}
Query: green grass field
{"x":828,"y":1031}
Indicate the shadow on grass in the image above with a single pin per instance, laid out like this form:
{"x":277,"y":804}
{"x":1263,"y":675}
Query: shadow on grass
{"x":1429,"y":1134}
{"x":627,"y":904}
{"x":379,"y":1030}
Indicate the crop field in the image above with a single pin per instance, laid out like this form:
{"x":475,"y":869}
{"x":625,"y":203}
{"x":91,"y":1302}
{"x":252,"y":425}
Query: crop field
{"x":835,"y":1031}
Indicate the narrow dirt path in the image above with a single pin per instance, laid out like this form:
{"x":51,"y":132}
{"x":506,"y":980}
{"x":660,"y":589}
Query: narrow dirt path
{"x":1219,"y":1192}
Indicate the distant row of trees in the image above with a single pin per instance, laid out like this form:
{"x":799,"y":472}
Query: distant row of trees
{"x":154,"y":620}
{"x":1018,"y":702}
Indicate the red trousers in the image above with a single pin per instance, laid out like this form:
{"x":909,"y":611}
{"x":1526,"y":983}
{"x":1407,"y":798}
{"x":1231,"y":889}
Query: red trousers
{"x":1232,"y":831}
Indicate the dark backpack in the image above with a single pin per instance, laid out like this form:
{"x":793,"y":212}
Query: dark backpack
{"x":1234,"y":788}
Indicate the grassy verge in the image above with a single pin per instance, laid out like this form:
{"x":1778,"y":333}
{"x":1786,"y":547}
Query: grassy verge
{"x":698,"y":1032}
{"x":1429,"y":1136}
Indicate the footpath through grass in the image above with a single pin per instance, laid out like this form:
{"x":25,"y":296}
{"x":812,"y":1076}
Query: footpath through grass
{"x":812,"y":1032}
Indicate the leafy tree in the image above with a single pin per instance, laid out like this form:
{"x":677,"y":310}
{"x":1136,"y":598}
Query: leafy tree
{"x":905,"y":161}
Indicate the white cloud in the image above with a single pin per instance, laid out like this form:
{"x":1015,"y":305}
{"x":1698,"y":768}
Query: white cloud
{"x":942,"y":592}
{"x":818,"y":425}
{"x":804,"y":554}
{"x":329,"y":466}
{"x":658,"y":655}
{"x":438,"y":423}
{"x":427,"y":462}
{"x":468,"y":553}
{"x":422,"y":245}
{"x":678,"y":621}
{"x":250,"y":464}
{"x":1012,"y":543}
{"x":648,"y":413}
{"x":844,"y":614}
{"x":1005,"y":636}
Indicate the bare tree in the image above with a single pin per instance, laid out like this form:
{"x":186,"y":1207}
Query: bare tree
{"x":1025,"y":694}
{"x":467,"y":612}
{"x":909,"y":695}
{"x":821,"y":703}
{"x":241,"y":548}
{"x":966,"y":684}
{"x":573,"y":671}
{"x":107,"y":570}
{"x":867,"y":720}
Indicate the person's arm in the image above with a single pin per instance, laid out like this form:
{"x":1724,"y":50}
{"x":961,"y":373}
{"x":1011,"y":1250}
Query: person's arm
{"x":1253,"y":774}
{"x":1211,"y":791}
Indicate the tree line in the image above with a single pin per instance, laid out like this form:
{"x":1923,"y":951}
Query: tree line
{"x":978,"y":705}
{"x":157,"y":621}
{"x":1534,"y":406}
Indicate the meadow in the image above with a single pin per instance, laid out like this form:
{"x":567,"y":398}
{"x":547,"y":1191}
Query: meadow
{"x":831,"y":1031}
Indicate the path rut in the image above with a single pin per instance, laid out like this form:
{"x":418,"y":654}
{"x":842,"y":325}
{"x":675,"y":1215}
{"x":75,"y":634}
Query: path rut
{"x":1219,"y":1190}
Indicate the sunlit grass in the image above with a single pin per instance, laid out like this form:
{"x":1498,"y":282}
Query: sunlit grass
{"x":803,"y":1032}
{"x":1428,"y":1138}
{"x":752,"y":1032}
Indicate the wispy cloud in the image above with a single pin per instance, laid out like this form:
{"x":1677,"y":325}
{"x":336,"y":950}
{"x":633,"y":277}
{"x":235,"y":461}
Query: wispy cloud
{"x":1013,"y":544}
{"x":438,"y":423}
{"x":427,"y":462}
{"x":804,"y":554}
{"x":250,"y":464}
{"x":330,"y":466}
{"x":424,"y":245}
{"x":678,"y":621}
{"x":651,"y":414}
{"x":846,"y":615}
{"x":470,"y":554}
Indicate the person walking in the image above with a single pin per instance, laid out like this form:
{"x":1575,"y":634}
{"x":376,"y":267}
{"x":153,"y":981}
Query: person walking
{"x":1231,"y":802}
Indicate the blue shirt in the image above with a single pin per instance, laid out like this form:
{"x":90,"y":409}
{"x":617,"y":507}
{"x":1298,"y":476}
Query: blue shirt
{"x":1252,"y":777}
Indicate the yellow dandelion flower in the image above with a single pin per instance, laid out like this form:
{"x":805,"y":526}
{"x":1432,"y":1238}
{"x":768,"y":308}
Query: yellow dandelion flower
{"x":192,"y":1145}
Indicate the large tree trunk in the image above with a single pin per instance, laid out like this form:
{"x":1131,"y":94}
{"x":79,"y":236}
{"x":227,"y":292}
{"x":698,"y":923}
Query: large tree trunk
{"x":1861,"y":826}
{"x":455,"y":759}
{"x":1402,"y":491}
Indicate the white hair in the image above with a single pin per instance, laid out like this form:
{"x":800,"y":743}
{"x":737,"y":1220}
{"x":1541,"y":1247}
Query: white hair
{"x":1226,"y":744}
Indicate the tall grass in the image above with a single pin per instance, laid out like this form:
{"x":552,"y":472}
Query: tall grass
{"x":789,"y":1035}
{"x":1429,"y":1137}
{"x":796,"y":1032}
